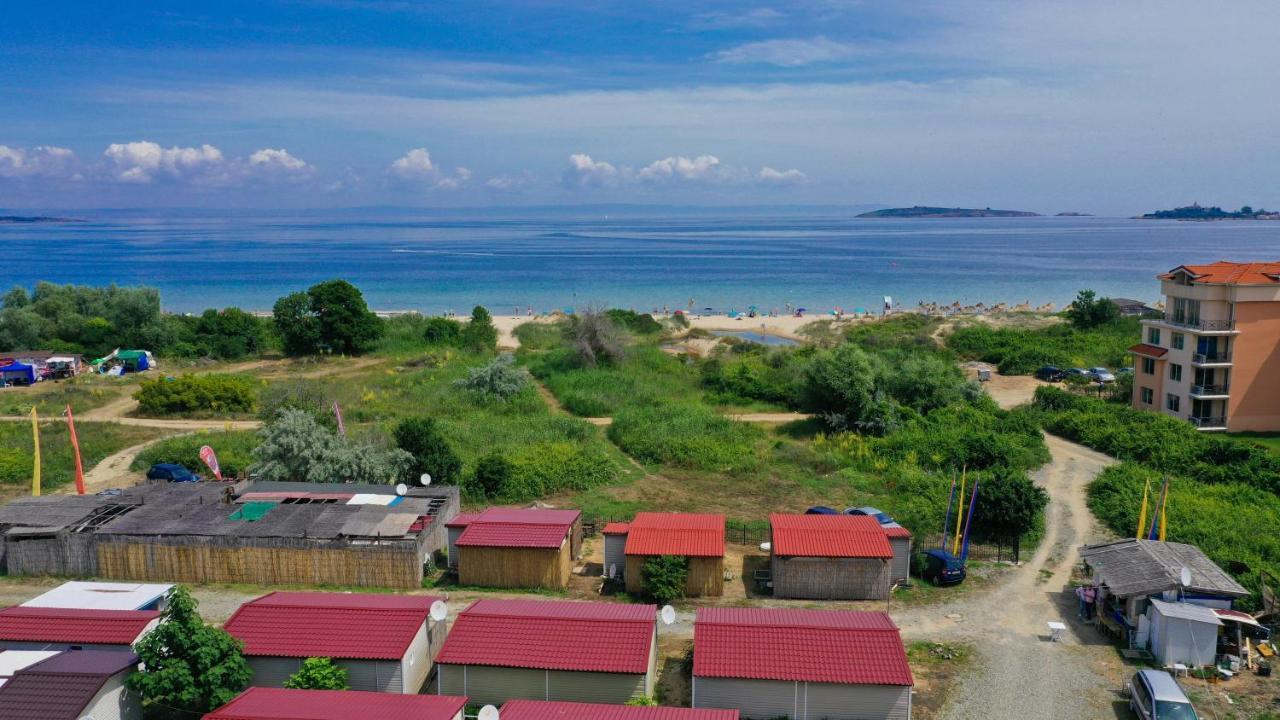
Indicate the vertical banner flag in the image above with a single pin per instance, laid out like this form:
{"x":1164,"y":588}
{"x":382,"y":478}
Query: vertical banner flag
{"x":210,"y":459}
{"x":337,"y":413}
{"x":955,"y":545}
{"x":973,"y":500}
{"x":1164,"y":507}
{"x":35,"y":443}
{"x":1142,"y":514}
{"x":946,"y":521}
{"x":75,"y":449}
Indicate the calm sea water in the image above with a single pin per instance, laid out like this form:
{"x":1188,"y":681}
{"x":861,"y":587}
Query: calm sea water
{"x":581,"y":258}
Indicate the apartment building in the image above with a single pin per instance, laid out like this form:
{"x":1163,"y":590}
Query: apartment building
{"x":1213,"y":359}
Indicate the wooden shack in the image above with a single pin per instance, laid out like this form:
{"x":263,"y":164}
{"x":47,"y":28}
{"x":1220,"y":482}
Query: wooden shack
{"x":699,"y":538}
{"x":505,"y":547}
{"x":830,"y":557}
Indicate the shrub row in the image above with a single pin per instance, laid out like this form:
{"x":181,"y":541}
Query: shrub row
{"x":215,"y":392}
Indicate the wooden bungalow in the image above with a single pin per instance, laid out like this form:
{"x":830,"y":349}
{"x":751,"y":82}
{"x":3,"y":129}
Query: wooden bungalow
{"x":830,"y":557}
{"x":504,"y":547}
{"x":697,"y":537}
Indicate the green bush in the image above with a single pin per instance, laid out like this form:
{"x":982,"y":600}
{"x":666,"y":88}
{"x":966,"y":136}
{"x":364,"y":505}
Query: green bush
{"x":234,"y":450}
{"x":540,"y":335}
{"x":331,"y":316}
{"x":442,"y":331}
{"x":187,"y":394}
{"x":492,"y":476}
{"x":1020,"y":351}
{"x":641,"y":324}
{"x":547,"y":468}
{"x":686,"y":435}
{"x":664,"y":576}
{"x":479,"y":335}
{"x":318,"y":673}
{"x":431,"y":453}
{"x":499,"y":380}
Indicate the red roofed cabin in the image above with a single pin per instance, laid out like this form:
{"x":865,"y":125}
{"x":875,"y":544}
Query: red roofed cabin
{"x":699,"y":538}
{"x":40,"y":628}
{"x":280,"y":704}
{"x":500,"y":650}
{"x":507,"y":547}
{"x":385,"y":642}
{"x":73,"y":685}
{"x":830,"y":557}
{"x":536,"y":710}
{"x":801,"y":664}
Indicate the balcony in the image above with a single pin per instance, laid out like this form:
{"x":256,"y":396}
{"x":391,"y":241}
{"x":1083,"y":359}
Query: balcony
{"x":1209,"y":423}
{"x":1209,"y":391}
{"x":1216,"y":358}
{"x":1195,"y":323}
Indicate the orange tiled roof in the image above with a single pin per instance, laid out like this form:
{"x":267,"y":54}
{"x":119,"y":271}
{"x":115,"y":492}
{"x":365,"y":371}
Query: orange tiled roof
{"x":1231,"y":273}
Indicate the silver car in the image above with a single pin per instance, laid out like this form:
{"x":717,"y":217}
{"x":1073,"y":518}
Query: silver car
{"x":1101,"y":374}
{"x":1155,"y":695}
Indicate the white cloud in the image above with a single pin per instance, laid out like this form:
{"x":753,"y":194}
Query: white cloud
{"x":585,"y":172}
{"x":795,"y":52}
{"x":40,"y":161}
{"x":755,"y":17}
{"x":278,"y":161}
{"x":770,"y":176}
{"x":415,"y":165}
{"x":702,"y":167}
{"x":459,"y":178}
{"x":141,"y":162}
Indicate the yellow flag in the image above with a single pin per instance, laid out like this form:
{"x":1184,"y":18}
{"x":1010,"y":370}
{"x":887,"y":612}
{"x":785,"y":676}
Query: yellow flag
{"x":1142,"y":516}
{"x":1164,"y":505}
{"x":955,"y":546}
{"x":35,"y":442}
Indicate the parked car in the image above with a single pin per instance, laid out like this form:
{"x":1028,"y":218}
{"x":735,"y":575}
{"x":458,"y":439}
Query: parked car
{"x":171,"y":472}
{"x":1075,"y":372}
{"x":1049,"y":373}
{"x":1124,"y":371}
{"x":880,"y":517}
{"x":941,"y":567}
{"x":1155,"y":695}
{"x":821,"y":510}
{"x":1101,"y":375}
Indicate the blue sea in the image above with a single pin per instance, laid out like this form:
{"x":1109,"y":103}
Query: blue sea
{"x":554,"y":260}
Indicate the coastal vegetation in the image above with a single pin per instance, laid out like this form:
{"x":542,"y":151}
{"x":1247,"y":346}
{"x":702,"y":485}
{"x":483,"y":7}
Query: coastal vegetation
{"x":329,"y":317}
{"x":1198,"y":212}
{"x":97,"y":441}
{"x":213,"y":393}
{"x":1021,"y":351}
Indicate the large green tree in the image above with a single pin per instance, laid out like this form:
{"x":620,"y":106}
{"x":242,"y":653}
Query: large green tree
{"x":299,"y":330}
{"x":188,"y":668}
{"x":421,"y":438}
{"x":480,"y":335}
{"x":330,"y":316}
{"x":1008,"y":506}
{"x":1089,"y":311}
{"x":296,"y":447}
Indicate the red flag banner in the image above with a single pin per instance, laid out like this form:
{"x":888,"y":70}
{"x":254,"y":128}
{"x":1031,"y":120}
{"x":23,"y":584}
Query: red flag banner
{"x":211,"y":459}
{"x":75,"y":447}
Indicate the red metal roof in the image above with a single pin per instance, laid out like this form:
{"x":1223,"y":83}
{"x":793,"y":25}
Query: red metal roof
{"x":1230,"y":273}
{"x":848,"y":647}
{"x":688,"y":534}
{"x":1151,"y":351}
{"x":336,"y":625}
{"x":896,"y":531}
{"x":540,"y":710}
{"x":61,"y":687}
{"x":513,"y":528}
{"x":616,"y":528}
{"x":858,"y":536}
{"x":462,"y":520}
{"x":79,"y":627}
{"x":552,"y":635}
{"x":258,"y":703}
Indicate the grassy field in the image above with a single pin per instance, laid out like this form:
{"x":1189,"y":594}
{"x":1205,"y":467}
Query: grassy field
{"x":1270,"y":441}
{"x":97,"y":441}
{"x":1020,"y":350}
{"x":51,"y":398}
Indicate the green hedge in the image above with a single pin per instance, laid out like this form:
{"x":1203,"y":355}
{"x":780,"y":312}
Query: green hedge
{"x":190,"y":394}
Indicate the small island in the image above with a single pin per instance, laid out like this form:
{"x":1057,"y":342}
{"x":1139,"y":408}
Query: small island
{"x":920,"y":211}
{"x":1074,"y":214}
{"x":25,"y":219}
{"x":1197,"y":212}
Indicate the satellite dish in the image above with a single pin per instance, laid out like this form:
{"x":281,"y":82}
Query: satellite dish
{"x":425,"y":478}
{"x":1185,"y":577}
{"x":668,"y":614}
{"x":766,"y":547}
{"x":439,"y":610}
{"x":613,"y":570}
{"x":488,"y":712}
{"x":402,"y":489}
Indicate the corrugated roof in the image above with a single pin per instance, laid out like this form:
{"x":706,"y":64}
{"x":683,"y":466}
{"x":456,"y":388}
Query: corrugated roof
{"x":259,"y":703}
{"x":462,"y":519}
{"x":515,"y":528}
{"x":1146,"y":567}
{"x":831,"y":536}
{"x":1186,"y":611}
{"x":848,"y":647}
{"x":616,"y":528}
{"x":894,"y":530}
{"x":540,"y":710}
{"x":1230,"y":273}
{"x":336,"y":625}
{"x":552,"y":635}
{"x":80,"y":627}
{"x":61,"y":687}
{"x":688,"y":534}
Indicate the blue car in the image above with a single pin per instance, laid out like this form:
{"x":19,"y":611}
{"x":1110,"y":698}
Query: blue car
{"x":171,"y":472}
{"x":821,"y":510}
{"x":941,"y":567}
{"x":880,"y":517}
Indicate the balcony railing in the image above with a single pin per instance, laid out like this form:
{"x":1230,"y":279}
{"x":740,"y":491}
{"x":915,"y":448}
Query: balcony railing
{"x":1207,"y":358}
{"x":1209,"y":389}
{"x":1196,"y":323}
{"x":1209,"y":422}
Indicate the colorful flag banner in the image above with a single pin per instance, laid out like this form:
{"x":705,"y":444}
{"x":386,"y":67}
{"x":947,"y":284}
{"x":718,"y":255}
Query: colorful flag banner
{"x":1142,"y":514}
{"x":211,"y":459}
{"x":35,"y":443}
{"x":75,"y":448}
{"x":337,"y":413}
{"x":973,"y":500}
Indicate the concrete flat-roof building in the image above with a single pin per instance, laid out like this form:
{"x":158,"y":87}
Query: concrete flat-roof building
{"x":386,"y":643}
{"x":801,"y":664}
{"x":259,"y":703}
{"x":500,"y":650}
{"x":508,"y":547}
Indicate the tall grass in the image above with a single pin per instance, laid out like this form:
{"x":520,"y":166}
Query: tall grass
{"x":688,"y":436}
{"x":1020,"y":351}
{"x":97,"y":441}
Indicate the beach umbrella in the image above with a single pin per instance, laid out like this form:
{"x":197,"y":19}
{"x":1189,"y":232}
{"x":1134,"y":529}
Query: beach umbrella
{"x":860,"y":310}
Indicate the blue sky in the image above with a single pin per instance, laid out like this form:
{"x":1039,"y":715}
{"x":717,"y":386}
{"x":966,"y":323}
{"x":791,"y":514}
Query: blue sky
{"x":1094,"y":106}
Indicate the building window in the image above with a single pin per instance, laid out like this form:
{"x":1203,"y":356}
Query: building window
{"x":1171,"y":402}
{"x":1186,"y":311}
{"x":1177,"y":340}
{"x":1175,"y":372}
{"x":1149,"y":366}
{"x":1148,"y":396}
{"x":1153,"y":336}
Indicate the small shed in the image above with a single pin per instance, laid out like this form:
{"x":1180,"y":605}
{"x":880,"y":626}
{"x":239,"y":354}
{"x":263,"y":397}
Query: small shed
{"x":1183,"y":633}
{"x":505,"y":547}
{"x":73,"y":685}
{"x":385,"y":642}
{"x":697,"y":537}
{"x":500,"y":650}
{"x":615,"y":549}
{"x":900,"y":541}
{"x":104,"y":596}
{"x":830,"y":557}
{"x":258,"y":703}
{"x":540,"y":710}
{"x":455,"y":528}
{"x":37,"y":628}
{"x":801,"y":664}
{"x":1130,"y":572}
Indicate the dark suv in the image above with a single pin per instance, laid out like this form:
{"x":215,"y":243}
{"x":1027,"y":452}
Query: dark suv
{"x":171,"y":472}
{"x":1049,"y":373}
{"x":941,"y":567}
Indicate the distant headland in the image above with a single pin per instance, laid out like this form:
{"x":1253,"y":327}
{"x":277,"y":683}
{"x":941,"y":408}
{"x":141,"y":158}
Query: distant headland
{"x":1199,"y":212}
{"x":939,"y":212}
{"x":24,"y":219}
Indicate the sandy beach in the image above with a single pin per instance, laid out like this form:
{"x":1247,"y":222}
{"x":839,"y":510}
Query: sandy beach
{"x":784,"y":326}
